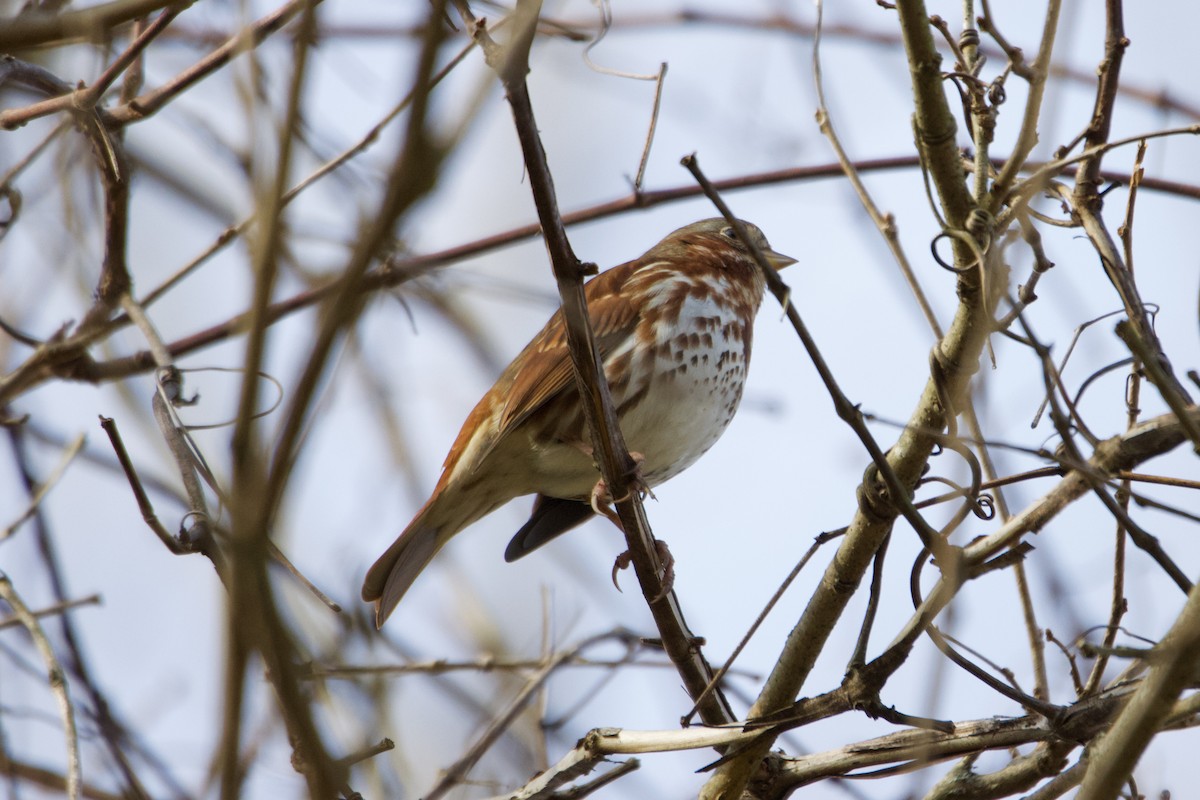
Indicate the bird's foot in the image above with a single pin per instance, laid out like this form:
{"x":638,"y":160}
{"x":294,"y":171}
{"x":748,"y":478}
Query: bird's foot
{"x":638,"y":482}
{"x":602,"y":498}
{"x":668,"y":568}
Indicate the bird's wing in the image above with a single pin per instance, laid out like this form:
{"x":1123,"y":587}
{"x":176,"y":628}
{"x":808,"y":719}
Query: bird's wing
{"x":545,"y":364}
{"x":542,"y":371}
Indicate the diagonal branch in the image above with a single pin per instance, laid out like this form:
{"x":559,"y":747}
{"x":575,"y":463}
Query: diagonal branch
{"x":1087,"y":201}
{"x":955,"y":359}
{"x":616,"y":465}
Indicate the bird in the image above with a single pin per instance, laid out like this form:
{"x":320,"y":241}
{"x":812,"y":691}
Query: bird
{"x":673,"y":329}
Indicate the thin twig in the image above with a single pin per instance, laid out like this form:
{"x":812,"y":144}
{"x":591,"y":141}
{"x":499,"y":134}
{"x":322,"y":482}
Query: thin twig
{"x":658,"y":92}
{"x":86,"y":98}
{"x":884,"y":223}
{"x":898,"y":493}
{"x":1152,"y":362}
{"x":45,"y":486}
{"x":754,"y":626}
{"x":456,"y":772}
{"x":1037,"y":72}
{"x":57,"y":680}
{"x":67,"y":356}
{"x":53,"y":610}
{"x":617,"y":468}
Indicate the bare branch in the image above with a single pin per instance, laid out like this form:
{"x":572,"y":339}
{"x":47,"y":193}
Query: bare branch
{"x":57,"y":680}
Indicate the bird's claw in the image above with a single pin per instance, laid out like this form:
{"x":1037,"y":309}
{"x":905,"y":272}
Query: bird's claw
{"x":668,"y":568}
{"x":601,"y":499}
{"x":623,"y":561}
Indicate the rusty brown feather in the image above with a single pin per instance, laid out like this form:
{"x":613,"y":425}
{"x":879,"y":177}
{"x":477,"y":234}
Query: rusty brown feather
{"x":673,"y":329}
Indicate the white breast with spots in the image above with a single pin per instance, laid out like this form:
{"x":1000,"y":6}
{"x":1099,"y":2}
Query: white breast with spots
{"x":695,"y":372}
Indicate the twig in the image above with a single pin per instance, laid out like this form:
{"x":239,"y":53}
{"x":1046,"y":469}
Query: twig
{"x":1015,"y":56}
{"x":1062,"y":423}
{"x":1135,"y":181}
{"x":53,"y":610}
{"x":616,"y":466}
{"x":45,"y":486}
{"x":51,"y":779}
{"x":188,"y":458}
{"x":586,"y":788}
{"x":1152,"y":361}
{"x":658,"y":92}
{"x":109,"y":156}
{"x":57,"y":680}
{"x":898,"y":493}
{"x":1037,"y":73}
{"x":604,"y":7}
{"x":93,"y":24}
{"x":1040,"y":172}
{"x":441,"y":666}
{"x":454,"y":773}
{"x":86,"y":98}
{"x":1150,"y":438}
{"x":884,"y":223}
{"x":859,"y":656}
{"x":758,"y":621}
{"x":382,"y":746}
{"x":1072,"y":662}
{"x":244,"y":41}
{"x":1112,"y":758}
{"x":1062,"y":366}
{"x":149,"y":516}
{"x":1006,"y":689}
{"x":67,"y":357}
{"x":1037,"y":648}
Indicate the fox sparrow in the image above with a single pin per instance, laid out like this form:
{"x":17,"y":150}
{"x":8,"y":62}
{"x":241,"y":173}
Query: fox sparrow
{"x":673,"y":329}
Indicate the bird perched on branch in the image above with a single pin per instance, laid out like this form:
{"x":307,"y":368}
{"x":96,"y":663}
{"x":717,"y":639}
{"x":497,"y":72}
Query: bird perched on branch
{"x":673,"y":329}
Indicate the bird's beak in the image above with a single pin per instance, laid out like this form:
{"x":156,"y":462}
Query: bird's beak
{"x":777,"y":260}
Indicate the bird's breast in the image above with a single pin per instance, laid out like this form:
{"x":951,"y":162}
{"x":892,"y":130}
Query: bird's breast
{"x":676,"y":381}
{"x":685,"y":381}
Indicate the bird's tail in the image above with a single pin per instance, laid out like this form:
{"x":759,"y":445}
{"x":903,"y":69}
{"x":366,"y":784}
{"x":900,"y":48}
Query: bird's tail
{"x":393,"y":572}
{"x":446,"y":513}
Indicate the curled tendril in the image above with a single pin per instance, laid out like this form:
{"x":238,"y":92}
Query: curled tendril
{"x":1089,"y":650}
{"x":278,"y":401}
{"x":26,"y":339}
{"x":12,"y":198}
{"x":972,"y":493}
{"x":942,"y":262}
{"x":873,"y":498}
{"x":967,"y":77}
{"x":985,"y":507}
{"x":200,"y":527}
{"x":981,"y":222}
{"x":914,"y":577}
{"x":170,"y":380}
{"x":1124,"y":362}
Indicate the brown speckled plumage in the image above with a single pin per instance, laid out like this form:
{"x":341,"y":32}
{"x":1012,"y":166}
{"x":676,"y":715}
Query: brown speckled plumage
{"x":674,"y":330}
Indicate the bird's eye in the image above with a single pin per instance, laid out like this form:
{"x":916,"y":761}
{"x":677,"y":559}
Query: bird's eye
{"x":730,"y":233}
